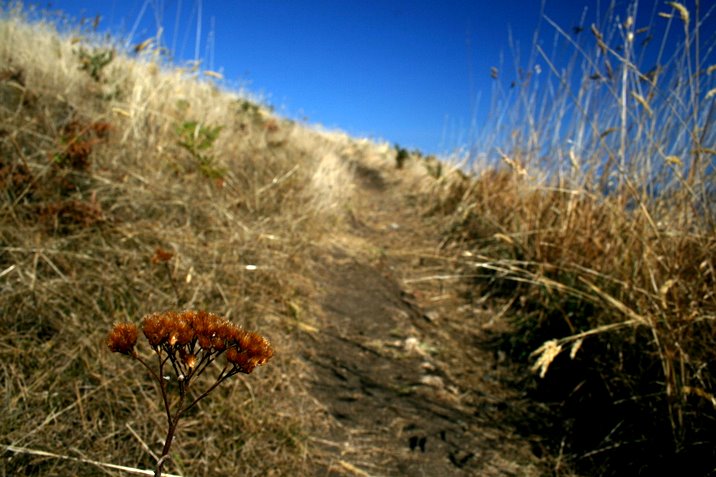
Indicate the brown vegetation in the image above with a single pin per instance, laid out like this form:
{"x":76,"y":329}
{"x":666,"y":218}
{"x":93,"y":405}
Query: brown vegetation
{"x":190,"y":342}
{"x":107,"y":213}
{"x":601,"y":242}
{"x":129,"y":186}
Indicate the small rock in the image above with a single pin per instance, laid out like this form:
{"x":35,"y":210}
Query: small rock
{"x":431,"y":316}
{"x":412,"y":344}
{"x":427,"y":366}
{"x":433,"y":381}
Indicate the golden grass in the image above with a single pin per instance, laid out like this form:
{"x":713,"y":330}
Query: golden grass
{"x":623,"y":291}
{"x":83,"y":215}
{"x":602,"y":239}
{"x":603,"y":254}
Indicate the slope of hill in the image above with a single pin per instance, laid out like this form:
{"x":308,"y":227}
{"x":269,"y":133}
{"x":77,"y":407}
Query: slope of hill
{"x":130,"y":188}
{"x":406,"y":301}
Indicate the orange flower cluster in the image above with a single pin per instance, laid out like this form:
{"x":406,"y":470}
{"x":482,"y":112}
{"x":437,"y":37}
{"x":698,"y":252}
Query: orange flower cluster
{"x":186,"y":344}
{"x":209,"y":332}
{"x":122,"y":338}
{"x":194,"y":332}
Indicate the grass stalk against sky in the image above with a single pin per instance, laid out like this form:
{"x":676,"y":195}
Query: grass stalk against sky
{"x":592,"y":211}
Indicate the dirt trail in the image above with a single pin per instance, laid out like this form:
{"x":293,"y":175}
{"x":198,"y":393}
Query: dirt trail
{"x":395,"y":362}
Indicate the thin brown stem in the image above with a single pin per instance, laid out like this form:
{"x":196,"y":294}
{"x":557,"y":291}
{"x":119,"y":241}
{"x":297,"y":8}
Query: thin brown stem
{"x":171,"y":280}
{"x":220,"y":379}
{"x":159,"y":378}
{"x":173,"y":422}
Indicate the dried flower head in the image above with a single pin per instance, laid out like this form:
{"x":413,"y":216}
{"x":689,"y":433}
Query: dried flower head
{"x":186,"y":345}
{"x":211,"y":333}
{"x":161,"y":256}
{"x":122,"y":338}
{"x":156,"y":328}
{"x":248,"y":350}
{"x":190,"y":361}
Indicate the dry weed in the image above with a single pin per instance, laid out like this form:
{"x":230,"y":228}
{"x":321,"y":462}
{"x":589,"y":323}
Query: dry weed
{"x":601,"y":236}
{"x":126,"y":228}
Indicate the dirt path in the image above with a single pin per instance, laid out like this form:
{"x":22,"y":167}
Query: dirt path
{"x":395,"y":362}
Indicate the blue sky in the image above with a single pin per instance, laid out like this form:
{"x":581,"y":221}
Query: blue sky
{"x":413,"y":72}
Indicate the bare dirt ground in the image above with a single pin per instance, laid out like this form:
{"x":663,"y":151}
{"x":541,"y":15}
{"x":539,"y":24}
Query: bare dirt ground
{"x":396,"y":362}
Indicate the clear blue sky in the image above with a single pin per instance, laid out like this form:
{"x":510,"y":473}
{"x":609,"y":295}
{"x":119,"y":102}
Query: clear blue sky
{"x":406,"y":71}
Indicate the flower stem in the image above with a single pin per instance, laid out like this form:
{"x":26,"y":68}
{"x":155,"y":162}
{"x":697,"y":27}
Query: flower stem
{"x":173,"y":422}
{"x":171,"y":280}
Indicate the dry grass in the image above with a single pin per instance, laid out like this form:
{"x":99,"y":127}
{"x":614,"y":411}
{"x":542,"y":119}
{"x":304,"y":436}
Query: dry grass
{"x":604,"y":252}
{"x":591,"y":213}
{"x":96,"y":177}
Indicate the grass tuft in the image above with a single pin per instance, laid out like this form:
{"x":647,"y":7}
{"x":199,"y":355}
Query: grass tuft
{"x":132,"y":185}
{"x":590,"y":213}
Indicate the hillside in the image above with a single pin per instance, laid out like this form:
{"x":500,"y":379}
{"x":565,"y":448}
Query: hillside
{"x":423,"y":321}
{"x":130,"y":189}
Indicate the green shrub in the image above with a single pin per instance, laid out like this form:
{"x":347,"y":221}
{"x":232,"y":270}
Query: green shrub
{"x":197,"y":139}
{"x":401,"y":155}
{"x":94,"y":62}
